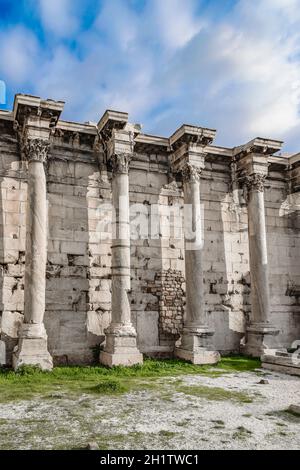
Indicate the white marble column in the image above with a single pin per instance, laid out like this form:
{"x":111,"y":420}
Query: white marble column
{"x":196,"y":340}
{"x":120,"y":344}
{"x":32,"y":346}
{"x":260,"y":332}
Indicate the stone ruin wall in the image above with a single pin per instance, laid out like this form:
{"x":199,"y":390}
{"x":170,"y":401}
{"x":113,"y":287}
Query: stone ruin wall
{"x":78,"y":290}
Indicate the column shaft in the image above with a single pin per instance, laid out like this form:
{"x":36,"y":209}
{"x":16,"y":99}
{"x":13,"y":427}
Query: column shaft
{"x":120,"y":309}
{"x":32,"y":346}
{"x":196,"y":339}
{"x":120,"y":343}
{"x":36,"y":245}
{"x":195,"y":312}
{"x":260,"y":297}
{"x":260,"y":332}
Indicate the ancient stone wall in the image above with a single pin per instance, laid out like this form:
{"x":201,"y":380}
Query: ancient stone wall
{"x":78,"y":287}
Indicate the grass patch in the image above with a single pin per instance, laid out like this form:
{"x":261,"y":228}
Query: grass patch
{"x":29,"y":381}
{"x":164,"y":433}
{"x":215,"y":393}
{"x":109,"y":386}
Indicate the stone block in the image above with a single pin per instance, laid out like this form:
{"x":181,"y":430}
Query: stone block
{"x":74,"y":248}
{"x":147,"y":330}
{"x":200,"y":357}
{"x":11,"y":323}
{"x":32,"y":351}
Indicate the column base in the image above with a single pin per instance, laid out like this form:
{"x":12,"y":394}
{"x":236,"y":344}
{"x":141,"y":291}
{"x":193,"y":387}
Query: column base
{"x":260,"y":339}
{"x":120,"y":347}
{"x":32,"y":348}
{"x":197,"y":347}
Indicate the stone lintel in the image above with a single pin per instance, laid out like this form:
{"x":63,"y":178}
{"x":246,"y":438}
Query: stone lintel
{"x":33,"y":106}
{"x":117,"y":133}
{"x":110,"y":121}
{"x":77,"y":128}
{"x":35,"y":119}
{"x":294,"y":172}
{"x":294,"y":160}
{"x":189,"y":145}
{"x":258,"y":146}
{"x":253,"y":158}
{"x":191,"y":134}
{"x":151,"y":144}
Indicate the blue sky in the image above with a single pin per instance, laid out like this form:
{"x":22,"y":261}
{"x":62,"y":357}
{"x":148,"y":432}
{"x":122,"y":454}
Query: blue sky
{"x":233,"y":65}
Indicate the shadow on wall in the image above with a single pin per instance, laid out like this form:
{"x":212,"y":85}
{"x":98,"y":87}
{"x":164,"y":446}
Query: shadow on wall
{"x":155,"y":298}
{"x":226,"y":266}
{"x":283,"y":238}
{"x":12,"y":241}
{"x":145,"y":259}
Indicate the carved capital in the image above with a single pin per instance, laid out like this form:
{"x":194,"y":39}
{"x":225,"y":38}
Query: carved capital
{"x":36,"y":150}
{"x":120,"y":163}
{"x":191,"y":173}
{"x":255,"y":182}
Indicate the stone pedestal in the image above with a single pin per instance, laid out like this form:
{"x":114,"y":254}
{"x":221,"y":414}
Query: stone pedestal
{"x":261,"y":339}
{"x":32,"y":348}
{"x":197,"y":346}
{"x":196,"y":340}
{"x":120,"y":347}
{"x":120,"y":337}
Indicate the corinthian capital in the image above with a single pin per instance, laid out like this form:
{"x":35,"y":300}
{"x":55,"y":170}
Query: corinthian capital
{"x":191,"y":173}
{"x":36,"y":150}
{"x":255,"y":182}
{"x":120,"y":163}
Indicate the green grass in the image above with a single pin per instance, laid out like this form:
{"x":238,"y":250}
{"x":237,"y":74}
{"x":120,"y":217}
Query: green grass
{"x":29,"y":382}
{"x":215,"y":393}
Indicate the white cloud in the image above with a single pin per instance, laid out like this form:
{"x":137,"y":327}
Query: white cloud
{"x":18,"y":51}
{"x":58,"y":16}
{"x":169,"y":63}
{"x":174,"y":21}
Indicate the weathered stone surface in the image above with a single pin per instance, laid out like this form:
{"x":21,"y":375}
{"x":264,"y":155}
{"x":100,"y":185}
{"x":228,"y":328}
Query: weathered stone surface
{"x":78,"y":283}
{"x":295,"y":409}
{"x":282,"y":361}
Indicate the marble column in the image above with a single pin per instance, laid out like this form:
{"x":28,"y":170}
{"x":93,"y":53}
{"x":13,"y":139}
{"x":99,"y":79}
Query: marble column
{"x":120,"y":344}
{"x":196,"y":340}
{"x":32,"y":346}
{"x":260,"y":332}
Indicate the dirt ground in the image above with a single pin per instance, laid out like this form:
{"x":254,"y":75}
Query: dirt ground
{"x":233,"y":411}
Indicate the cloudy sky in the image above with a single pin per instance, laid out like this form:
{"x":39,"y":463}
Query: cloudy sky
{"x":233,"y":65}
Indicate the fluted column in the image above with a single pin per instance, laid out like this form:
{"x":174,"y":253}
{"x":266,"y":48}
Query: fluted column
{"x":32,"y":346}
{"x":260,"y":331}
{"x":196,"y":340}
{"x":120,"y":344}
